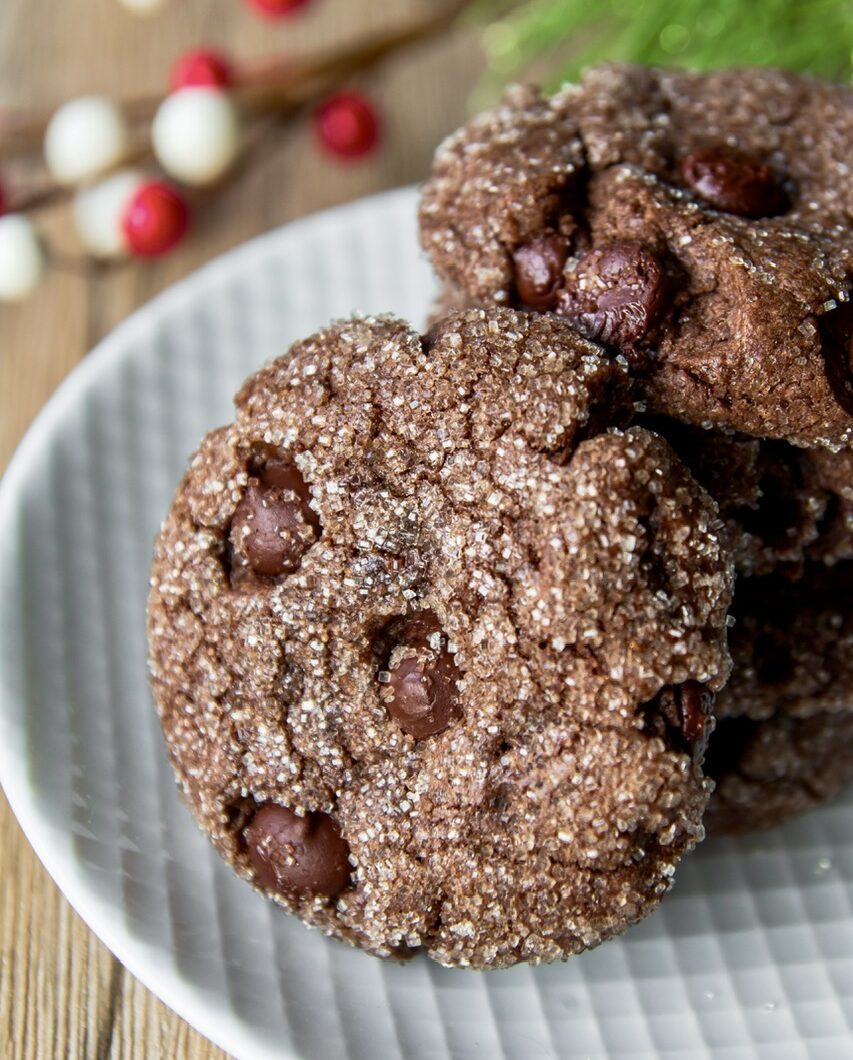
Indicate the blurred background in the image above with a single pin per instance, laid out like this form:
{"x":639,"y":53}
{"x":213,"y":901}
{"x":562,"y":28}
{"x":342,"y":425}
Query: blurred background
{"x":237,"y":116}
{"x":61,"y":992}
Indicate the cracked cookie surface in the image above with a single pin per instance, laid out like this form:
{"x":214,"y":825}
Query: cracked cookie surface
{"x":698,"y":224}
{"x":431,"y":640}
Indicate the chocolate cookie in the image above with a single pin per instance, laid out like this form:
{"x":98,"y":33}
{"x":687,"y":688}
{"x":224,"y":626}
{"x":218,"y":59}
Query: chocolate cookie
{"x":768,"y":772}
{"x":700,"y":225}
{"x":833,"y":473}
{"x":782,"y":505}
{"x":433,"y":648}
{"x":792,"y":645}
{"x":783,"y":741}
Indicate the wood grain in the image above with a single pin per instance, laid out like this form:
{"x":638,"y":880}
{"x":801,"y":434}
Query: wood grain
{"x":62,"y":994}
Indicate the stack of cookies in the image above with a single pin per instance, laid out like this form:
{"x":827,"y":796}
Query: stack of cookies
{"x":442,"y":625}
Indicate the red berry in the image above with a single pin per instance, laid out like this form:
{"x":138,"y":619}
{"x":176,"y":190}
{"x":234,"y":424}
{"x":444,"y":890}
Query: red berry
{"x":276,"y":8}
{"x":156,"y":219}
{"x":202,"y":67}
{"x":347,"y":125}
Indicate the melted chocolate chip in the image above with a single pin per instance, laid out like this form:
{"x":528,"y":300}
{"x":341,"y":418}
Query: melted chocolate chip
{"x":539,"y":270}
{"x":274,"y":525}
{"x":615,"y":295}
{"x":695,"y":703}
{"x":680,"y":715}
{"x":297,"y":855}
{"x":425,"y":698}
{"x":734,"y":182}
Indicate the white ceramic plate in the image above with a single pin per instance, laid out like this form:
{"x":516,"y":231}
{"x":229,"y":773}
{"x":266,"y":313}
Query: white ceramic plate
{"x":752,"y":953}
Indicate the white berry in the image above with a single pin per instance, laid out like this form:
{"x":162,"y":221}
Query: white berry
{"x":196,"y":134}
{"x":98,"y":212}
{"x":142,"y":7}
{"x":85,"y":137}
{"x":22,"y":260}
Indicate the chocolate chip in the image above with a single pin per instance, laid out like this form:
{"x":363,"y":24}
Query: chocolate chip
{"x":679,"y":715}
{"x":297,"y":855}
{"x":424,"y":697}
{"x":695,"y":703}
{"x":274,"y":525}
{"x":734,"y":182}
{"x":539,"y":270}
{"x":615,"y":295}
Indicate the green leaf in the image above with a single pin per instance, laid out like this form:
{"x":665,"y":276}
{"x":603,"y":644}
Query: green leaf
{"x":555,"y":39}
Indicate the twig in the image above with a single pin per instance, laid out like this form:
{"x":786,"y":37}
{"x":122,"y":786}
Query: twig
{"x":76,"y":265}
{"x":285,"y":85}
{"x":38,"y":199}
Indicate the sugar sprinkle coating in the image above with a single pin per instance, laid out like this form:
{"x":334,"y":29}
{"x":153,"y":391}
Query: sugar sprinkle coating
{"x":554,"y":581}
{"x":698,"y":223}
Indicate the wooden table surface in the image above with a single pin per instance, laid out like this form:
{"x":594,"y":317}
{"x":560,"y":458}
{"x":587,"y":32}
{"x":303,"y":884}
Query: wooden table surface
{"x":62,"y":994}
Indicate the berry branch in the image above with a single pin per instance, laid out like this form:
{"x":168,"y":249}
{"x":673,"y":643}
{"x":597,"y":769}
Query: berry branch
{"x":93,"y":146}
{"x":280,"y":84}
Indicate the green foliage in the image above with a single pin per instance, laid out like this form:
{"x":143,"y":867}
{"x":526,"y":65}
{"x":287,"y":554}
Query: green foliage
{"x":558,"y":38}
